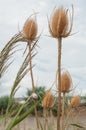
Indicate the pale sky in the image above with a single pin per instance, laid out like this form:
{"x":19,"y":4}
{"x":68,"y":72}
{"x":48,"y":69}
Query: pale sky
{"x":13,"y":13}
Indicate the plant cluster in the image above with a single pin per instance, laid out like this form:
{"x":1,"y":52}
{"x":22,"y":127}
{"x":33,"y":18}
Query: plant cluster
{"x":60,"y":26}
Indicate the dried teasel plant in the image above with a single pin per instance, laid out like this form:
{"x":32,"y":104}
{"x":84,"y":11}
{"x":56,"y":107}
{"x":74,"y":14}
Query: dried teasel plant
{"x":48,"y":100}
{"x":66,"y":82}
{"x":29,"y":31}
{"x":47,"y":103}
{"x":60,"y":26}
{"x":75,"y":102}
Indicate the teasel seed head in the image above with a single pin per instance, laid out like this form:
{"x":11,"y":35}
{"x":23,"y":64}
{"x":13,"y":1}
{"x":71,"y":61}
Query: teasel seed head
{"x":34,"y":96}
{"x":59,"y":24}
{"x":66,"y":82}
{"x":48,"y":100}
{"x":75,"y":101}
{"x":30,"y":29}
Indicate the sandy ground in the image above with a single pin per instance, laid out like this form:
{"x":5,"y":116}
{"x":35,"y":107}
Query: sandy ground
{"x":78,"y":116}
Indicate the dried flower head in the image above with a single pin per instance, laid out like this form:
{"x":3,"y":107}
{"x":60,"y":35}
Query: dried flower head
{"x":66,"y":82}
{"x":59,"y":24}
{"x":30,"y":29}
{"x":48,"y":100}
{"x":34,"y":96}
{"x":75,"y":101}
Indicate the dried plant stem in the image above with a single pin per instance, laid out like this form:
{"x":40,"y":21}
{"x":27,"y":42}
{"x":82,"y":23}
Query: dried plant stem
{"x":59,"y":83}
{"x":63,"y":110}
{"x":45,"y":118}
{"x":31,"y":72}
{"x":52,"y":119}
{"x":68,"y":117}
{"x":33,"y":88}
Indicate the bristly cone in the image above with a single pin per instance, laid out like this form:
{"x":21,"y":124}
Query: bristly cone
{"x":48,"y":100}
{"x":30,"y":29}
{"x":66,"y":82}
{"x":59,"y":24}
{"x":75,"y":101}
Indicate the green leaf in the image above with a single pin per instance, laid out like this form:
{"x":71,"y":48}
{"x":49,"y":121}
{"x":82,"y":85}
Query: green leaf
{"x":79,"y":126}
{"x":17,"y":120}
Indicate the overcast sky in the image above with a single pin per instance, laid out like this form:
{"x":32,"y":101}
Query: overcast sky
{"x":14,"y":13}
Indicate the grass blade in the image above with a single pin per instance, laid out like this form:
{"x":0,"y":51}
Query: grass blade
{"x":78,"y":126}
